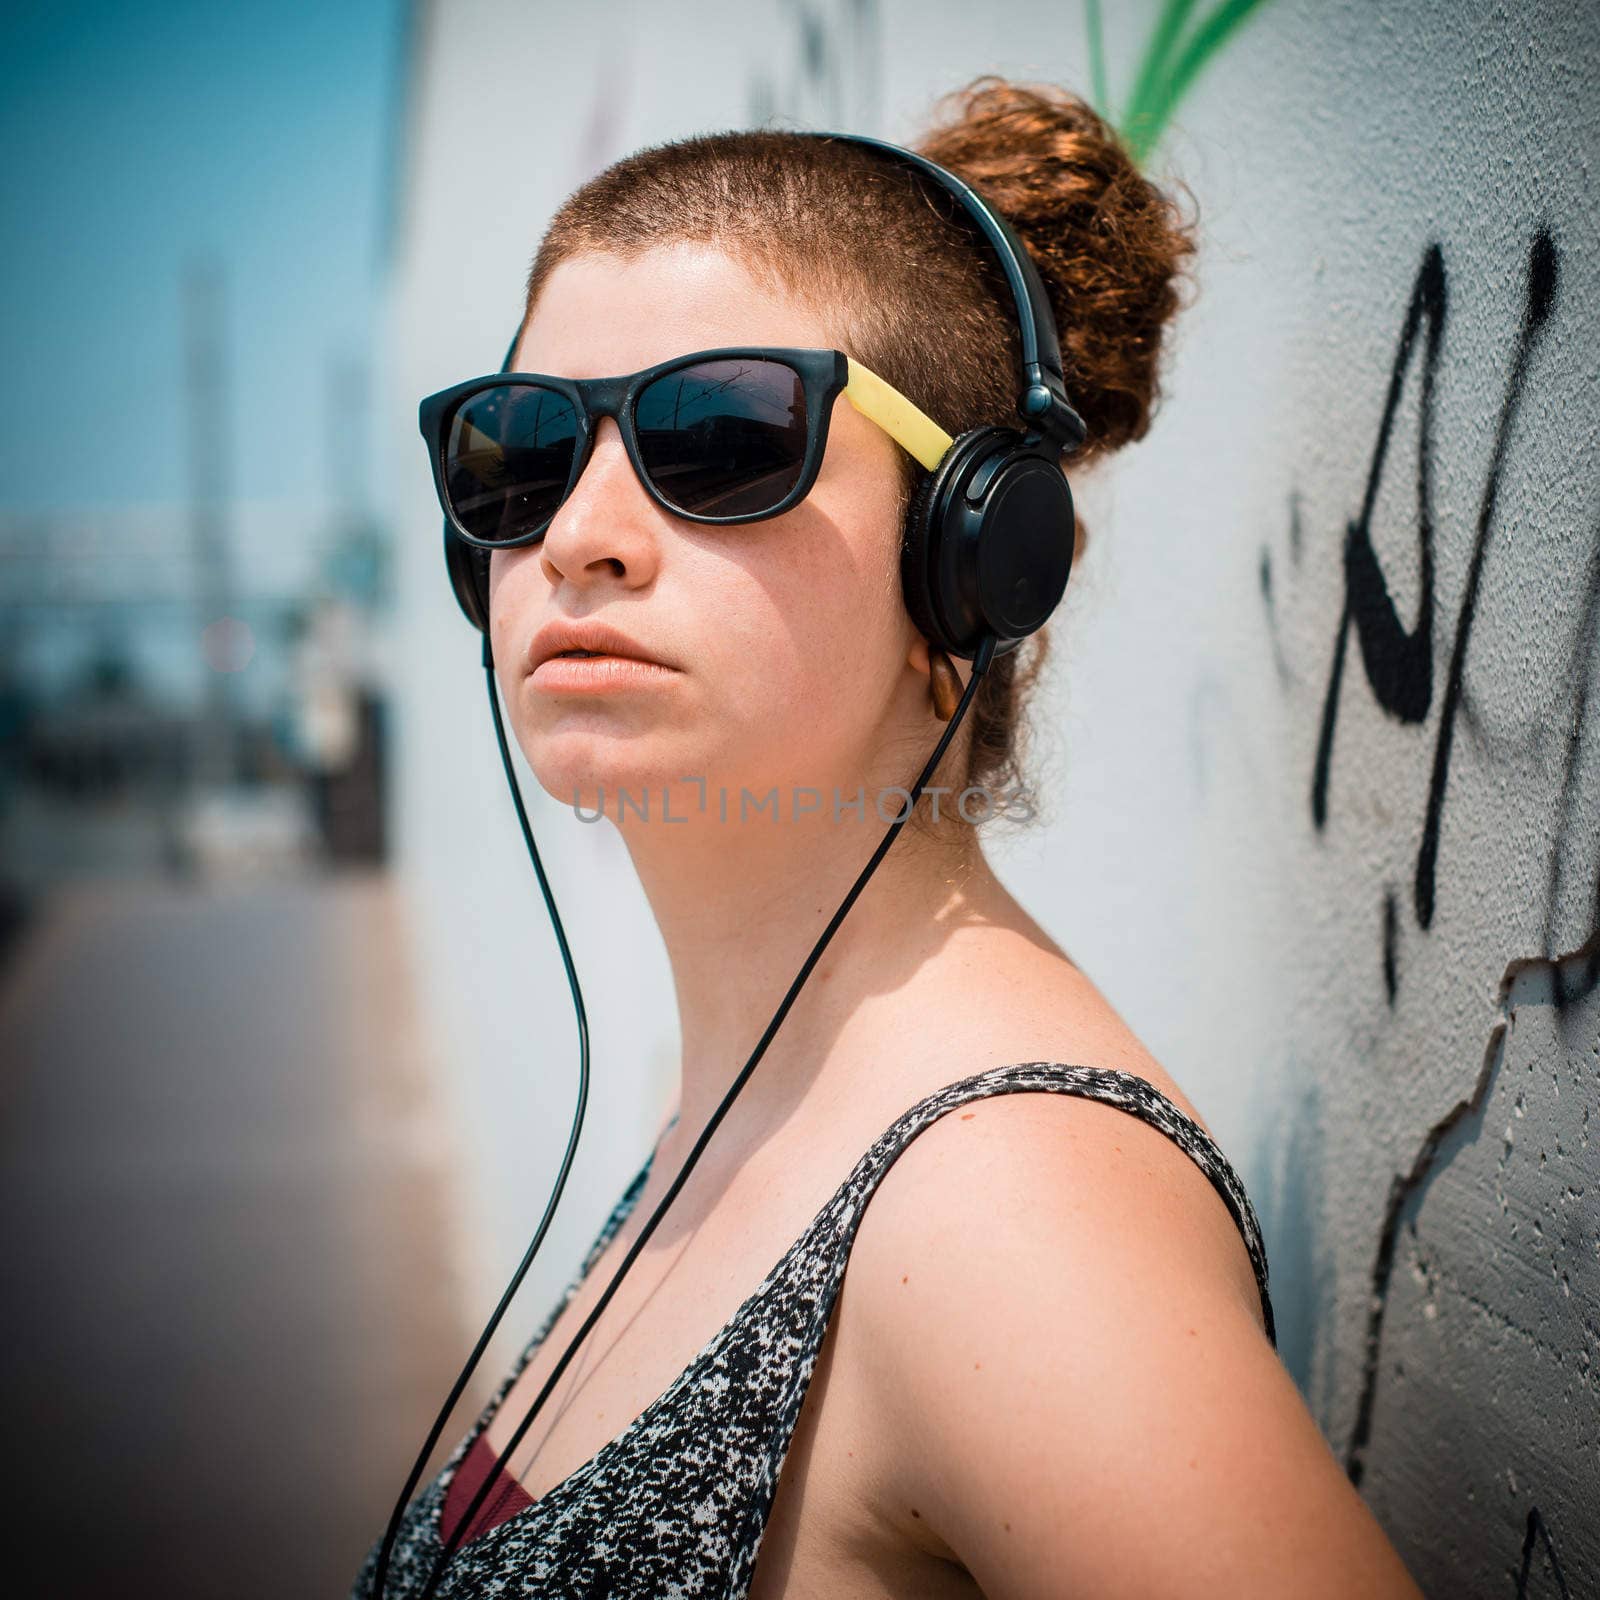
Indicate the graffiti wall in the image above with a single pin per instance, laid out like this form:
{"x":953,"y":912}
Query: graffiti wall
{"x":1395,"y":772}
{"x":1318,"y":759}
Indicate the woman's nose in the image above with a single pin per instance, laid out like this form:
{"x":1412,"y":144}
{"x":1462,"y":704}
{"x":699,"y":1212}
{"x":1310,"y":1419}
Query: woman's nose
{"x":607,"y":524}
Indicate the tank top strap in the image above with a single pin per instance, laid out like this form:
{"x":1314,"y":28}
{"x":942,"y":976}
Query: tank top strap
{"x":1125,"y":1090}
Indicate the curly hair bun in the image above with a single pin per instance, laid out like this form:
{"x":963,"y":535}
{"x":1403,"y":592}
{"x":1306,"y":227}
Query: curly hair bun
{"x":1109,"y":244}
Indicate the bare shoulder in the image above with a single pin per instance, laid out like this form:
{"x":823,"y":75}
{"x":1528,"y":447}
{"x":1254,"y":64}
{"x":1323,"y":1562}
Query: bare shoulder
{"x":1047,"y":1169}
{"x":1044,"y":1312}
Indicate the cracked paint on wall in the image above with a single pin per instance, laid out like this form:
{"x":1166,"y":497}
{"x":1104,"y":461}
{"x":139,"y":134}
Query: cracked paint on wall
{"x":1488,"y":1369}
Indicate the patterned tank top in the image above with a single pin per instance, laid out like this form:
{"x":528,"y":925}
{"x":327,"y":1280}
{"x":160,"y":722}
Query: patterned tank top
{"x":676,"y":1505}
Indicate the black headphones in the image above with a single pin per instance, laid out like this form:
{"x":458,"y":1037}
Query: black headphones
{"x":988,"y":539}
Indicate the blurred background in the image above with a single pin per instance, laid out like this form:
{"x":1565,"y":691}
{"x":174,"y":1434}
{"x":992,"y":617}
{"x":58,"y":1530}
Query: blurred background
{"x":286,"y":1055}
{"x":231,"y":1288}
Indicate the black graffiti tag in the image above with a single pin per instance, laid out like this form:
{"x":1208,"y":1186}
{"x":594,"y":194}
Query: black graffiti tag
{"x":1399,"y":663}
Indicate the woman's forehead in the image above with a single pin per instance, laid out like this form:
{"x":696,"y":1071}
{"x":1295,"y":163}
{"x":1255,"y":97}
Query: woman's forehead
{"x":600,"y":315}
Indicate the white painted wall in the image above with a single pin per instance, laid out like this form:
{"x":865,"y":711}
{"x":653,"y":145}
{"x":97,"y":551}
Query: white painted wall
{"x":1331,"y":147}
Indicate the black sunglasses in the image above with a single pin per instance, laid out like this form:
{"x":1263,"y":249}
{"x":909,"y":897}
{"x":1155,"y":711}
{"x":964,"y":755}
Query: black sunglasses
{"x":718,"y":436}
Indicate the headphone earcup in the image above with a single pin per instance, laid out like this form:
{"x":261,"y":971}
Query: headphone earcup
{"x":988,"y":542}
{"x":929,"y":559}
{"x":1016,"y":527}
{"x":468,"y":567}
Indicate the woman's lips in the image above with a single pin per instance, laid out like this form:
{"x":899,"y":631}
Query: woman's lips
{"x":598,"y":674}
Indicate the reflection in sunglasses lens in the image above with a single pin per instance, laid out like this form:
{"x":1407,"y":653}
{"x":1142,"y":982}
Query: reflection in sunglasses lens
{"x":724,"y":438}
{"x":508,"y":459}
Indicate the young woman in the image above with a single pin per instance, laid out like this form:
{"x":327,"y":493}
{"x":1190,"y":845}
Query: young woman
{"x":1049,"y":1368}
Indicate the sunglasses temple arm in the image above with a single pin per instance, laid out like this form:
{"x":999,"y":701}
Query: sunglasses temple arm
{"x":880,"y":402}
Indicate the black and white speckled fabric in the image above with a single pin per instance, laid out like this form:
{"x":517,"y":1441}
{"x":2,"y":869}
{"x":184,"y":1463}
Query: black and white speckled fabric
{"x":676,"y":1505}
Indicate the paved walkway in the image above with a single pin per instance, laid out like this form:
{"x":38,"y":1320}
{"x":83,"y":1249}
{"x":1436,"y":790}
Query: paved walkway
{"x":225,"y":1240}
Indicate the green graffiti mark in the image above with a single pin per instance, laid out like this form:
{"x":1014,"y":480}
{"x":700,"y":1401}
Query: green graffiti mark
{"x":1097,"y":58}
{"x":1168,"y":69}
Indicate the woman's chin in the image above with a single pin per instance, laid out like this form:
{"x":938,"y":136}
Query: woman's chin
{"x":664,"y":774}
{"x":623,"y":789}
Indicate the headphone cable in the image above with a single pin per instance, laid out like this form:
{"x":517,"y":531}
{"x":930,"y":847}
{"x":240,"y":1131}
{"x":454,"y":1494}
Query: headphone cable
{"x":381,"y":1571}
{"x":982,"y":658}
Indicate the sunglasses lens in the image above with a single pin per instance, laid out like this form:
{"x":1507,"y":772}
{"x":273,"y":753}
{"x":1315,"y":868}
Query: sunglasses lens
{"x":508,"y":459}
{"x":724,"y":438}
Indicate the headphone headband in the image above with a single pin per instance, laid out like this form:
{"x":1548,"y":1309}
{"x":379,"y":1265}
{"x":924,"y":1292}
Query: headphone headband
{"x":1043,"y":402}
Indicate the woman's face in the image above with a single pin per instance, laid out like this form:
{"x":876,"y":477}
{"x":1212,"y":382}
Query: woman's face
{"x":788,"y":639}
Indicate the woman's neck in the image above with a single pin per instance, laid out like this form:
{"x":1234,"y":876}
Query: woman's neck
{"x":740,"y":906}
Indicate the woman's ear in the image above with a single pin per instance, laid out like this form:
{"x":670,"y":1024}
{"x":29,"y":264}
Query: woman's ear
{"x":944,"y":682}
